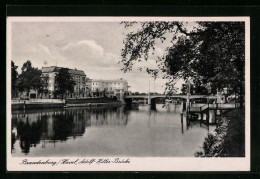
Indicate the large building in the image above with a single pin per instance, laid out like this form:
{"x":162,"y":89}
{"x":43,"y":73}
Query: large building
{"x":50,"y":85}
{"x":108,"y":88}
{"x":84,"y":87}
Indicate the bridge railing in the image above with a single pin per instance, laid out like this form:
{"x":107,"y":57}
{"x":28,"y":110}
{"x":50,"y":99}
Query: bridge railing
{"x":195,"y":109}
{"x":227,"y":106}
{"x":197,"y":104}
{"x":202,"y":108}
{"x":213,"y":106}
{"x":199,"y":107}
{"x":216,"y":106}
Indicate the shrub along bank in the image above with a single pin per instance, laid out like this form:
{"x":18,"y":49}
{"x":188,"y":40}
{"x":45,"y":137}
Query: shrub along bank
{"x":229,"y":137}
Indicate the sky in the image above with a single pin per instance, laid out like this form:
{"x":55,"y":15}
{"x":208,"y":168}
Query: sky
{"x":93,"y":47}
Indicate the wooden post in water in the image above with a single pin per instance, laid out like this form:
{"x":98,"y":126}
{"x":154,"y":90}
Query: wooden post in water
{"x":207,"y":116}
{"x":188,"y":99}
{"x":187,"y":122}
{"x":181,"y":114}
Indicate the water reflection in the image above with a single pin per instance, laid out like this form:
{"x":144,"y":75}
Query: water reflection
{"x":138,"y":131}
{"x":59,"y":125}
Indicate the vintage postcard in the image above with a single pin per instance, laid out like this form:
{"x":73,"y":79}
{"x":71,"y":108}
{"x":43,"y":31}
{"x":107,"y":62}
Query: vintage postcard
{"x":128,"y":94}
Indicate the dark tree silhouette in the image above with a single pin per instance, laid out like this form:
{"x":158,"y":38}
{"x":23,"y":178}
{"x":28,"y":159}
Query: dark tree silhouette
{"x":196,"y":89}
{"x":29,"y":134}
{"x":14,"y":77}
{"x":209,"y":53}
{"x":62,"y":127}
{"x":30,"y":78}
{"x":65,"y":82}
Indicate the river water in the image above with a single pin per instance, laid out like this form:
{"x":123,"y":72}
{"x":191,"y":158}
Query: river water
{"x":117,"y":131}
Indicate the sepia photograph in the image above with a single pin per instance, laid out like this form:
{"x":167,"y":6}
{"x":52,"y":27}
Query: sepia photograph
{"x":128,"y":94}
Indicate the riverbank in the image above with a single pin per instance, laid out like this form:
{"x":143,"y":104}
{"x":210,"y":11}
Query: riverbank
{"x":82,"y":102}
{"x":229,"y":137}
{"x":93,"y":105}
{"x":37,"y":106}
{"x":92,"y":102}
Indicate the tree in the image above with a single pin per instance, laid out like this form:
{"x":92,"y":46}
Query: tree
{"x":65,"y":82}
{"x":210,"y":53}
{"x":195,"y":89}
{"x":30,"y":78}
{"x":14,"y":77}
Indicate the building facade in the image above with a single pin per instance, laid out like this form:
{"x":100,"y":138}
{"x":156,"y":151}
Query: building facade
{"x":84,"y":87}
{"x":108,"y":88}
{"x":50,"y":85}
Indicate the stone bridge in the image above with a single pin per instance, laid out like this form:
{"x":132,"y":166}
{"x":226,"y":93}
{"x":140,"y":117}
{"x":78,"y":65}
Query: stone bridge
{"x":151,"y":98}
{"x":171,"y":96}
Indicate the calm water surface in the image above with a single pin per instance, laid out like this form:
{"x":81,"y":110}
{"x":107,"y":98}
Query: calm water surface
{"x":119,"y":131}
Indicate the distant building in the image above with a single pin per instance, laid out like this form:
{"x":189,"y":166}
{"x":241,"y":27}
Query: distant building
{"x":108,"y":88}
{"x":50,"y":85}
{"x":88,"y":87}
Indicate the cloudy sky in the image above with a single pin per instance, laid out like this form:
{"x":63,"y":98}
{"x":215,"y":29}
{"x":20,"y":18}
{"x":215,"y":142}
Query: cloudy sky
{"x":90,"y":46}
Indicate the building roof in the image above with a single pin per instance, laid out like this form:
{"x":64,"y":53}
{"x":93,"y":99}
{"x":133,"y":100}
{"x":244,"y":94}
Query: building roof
{"x":107,"y":81}
{"x":77,"y":72}
{"x":56,"y":69}
{"x":48,"y":69}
